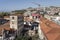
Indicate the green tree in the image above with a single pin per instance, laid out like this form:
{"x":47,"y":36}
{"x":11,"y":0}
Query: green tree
{"x":19,"y":11}
{"x":4,"y":14}
{"x":36,"y":37}
{"x":22,"y":38}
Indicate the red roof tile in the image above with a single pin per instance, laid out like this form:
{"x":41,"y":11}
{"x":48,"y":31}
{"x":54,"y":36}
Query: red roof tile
{"x":50,"y":29}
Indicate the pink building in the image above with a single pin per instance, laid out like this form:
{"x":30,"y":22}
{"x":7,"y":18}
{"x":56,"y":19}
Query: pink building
{"x":35,"y":15}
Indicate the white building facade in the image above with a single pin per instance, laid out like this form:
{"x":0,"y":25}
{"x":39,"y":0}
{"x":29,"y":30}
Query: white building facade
{"x":16,"y":23}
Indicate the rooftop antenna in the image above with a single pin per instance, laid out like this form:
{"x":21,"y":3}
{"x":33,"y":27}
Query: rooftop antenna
{"x":38,"y":9}
{"x":36,"y":4}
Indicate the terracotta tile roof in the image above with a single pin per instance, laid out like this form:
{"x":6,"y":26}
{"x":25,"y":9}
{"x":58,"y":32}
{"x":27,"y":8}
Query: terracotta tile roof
{"x":50,"y":29}
{"x":58,"y":38}
{"x":6,"y":16}
{"x":5,"y":26}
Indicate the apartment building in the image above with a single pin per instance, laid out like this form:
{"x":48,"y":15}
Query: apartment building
{"x":6,"y":33}
{"x":16,"y":22}
{"x":54,"y":18}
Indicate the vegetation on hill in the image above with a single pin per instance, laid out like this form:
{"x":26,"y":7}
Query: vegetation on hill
{"x":19,"y":11}
{"x":4,"y":14}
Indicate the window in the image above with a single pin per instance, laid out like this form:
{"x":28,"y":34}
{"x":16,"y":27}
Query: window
{"x":12,"y":17}
{"x":33,"y":16}
{"x":12,"y":22}
{"x":36,"y":17}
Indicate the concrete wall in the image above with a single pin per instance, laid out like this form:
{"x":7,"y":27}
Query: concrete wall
{"x":47,"y":16}
{"x":14,"y":24}
{"x":41,"y":34}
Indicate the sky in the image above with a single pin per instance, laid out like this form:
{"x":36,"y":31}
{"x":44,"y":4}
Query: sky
{"x":9,"y":5}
